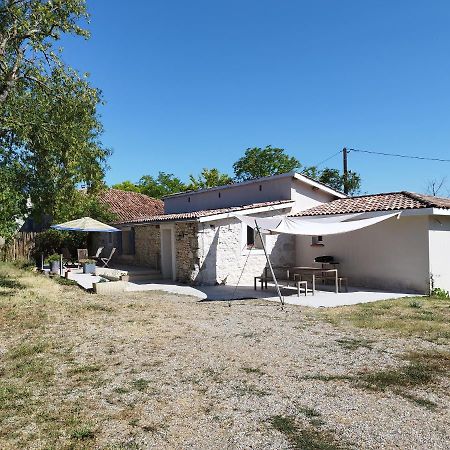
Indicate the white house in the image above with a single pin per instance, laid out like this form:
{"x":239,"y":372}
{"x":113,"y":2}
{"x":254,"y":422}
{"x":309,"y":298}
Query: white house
{"x":199,"y":240}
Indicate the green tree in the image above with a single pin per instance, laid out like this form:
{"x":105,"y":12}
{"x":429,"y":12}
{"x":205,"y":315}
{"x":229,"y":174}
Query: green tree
{"x":335,"y":179}
{"x":56,"y":140}
{"x":209,"y":178}
{"x":29,"y":30}
{"x":160,"y":186}
{"x":263,"y":162}
{"x":12,"y":202}
{"x":49,"y":127}
{"x":127,"y":186}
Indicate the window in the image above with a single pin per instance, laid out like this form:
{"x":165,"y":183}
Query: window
{"x":253,"y":239}
{"x":260,"y":187}
{"x":317,"y":241}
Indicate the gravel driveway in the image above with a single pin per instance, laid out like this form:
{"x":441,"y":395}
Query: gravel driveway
{"x":156,"y":370}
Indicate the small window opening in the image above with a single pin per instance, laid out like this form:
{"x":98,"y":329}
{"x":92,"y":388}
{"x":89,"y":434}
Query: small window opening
{"x":219,"y":195}
{"x":317,"y":240}
{"x":260,"y":187}
{"x":253,"y":239}
{"x":189,"y":199}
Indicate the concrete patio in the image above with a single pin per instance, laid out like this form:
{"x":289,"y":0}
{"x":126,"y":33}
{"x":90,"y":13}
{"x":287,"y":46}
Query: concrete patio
{"x":322,"y":298}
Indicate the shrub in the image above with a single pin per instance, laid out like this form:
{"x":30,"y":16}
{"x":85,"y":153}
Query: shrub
{"x":440,"y":293}
{"x":52,"y":258}
{"x":52,"y":241}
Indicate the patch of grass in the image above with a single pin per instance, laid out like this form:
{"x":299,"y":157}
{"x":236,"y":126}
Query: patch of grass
{"x":140,"y":384}
{"x":83,"y":433}
{"x":404,"y":317}
{"x":314,"y":416}
{"x":26,"y":350}
{"x":98,"y":307}
{"x":85,"y":369}
{"x":415,"y":304}
{"x":65,"y":282}
{"x":419,"y":401}
{"x":421,"y":368}
{"x":10,"y":283}
{"x":28,"y":361}
{"x":254,"y":370}
{"x":354,"y":344}
{"x":121,"y":390}
{"x":304,"y":439}
{"x":250,"y":389}
{"x":321,"y":377}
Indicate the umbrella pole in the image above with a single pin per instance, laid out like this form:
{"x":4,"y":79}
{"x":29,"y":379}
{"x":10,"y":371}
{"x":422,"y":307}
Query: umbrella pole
{"x":270,"y":265}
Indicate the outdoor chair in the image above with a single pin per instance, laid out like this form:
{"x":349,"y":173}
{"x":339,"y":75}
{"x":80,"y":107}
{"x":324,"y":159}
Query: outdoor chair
{"x":96,"y":257}
{"x":105,"y":261}
{"x":67,"y":256}
{"x":82,"y":255}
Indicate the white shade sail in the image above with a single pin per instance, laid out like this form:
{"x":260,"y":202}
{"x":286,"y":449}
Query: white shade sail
{"x":85,"y":224}
{"x":314,"y":227}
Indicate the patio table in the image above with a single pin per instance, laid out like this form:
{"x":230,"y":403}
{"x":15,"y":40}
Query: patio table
{"x":308,"y":270}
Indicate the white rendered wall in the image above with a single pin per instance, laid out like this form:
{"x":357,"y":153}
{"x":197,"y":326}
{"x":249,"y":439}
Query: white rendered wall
{"x":391,"y":255}
{"x":305,"y":196}
{"x":439,"y":236}
{"x":222,"y":253}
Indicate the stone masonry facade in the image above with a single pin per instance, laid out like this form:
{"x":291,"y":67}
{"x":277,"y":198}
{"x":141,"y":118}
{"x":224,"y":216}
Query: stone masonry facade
{"x":147,"y":246}
{"x":186,"y":248}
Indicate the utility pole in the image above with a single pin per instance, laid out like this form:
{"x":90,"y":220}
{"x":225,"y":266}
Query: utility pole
{"x":344,"y":156}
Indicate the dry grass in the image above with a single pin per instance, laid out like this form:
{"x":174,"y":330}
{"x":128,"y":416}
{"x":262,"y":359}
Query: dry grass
{"x":424,"y":317}
{"x":153,"y":370}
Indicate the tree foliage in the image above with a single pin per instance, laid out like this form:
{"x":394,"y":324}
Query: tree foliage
{"x":335,"y":179}
{"x":29,"y":30}
{"x":263,"y":162}
{"x":157,"y":187}
{"x":50,"y":131}
{"x":209,"y":178}
{"x":167,"y":183}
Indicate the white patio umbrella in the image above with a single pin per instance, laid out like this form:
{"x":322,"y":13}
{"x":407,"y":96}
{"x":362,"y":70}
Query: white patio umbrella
{"x":85,"y":224}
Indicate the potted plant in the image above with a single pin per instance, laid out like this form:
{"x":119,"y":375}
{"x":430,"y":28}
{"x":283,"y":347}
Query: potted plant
{"x":89,"y":266}
{"x":53,"y":261}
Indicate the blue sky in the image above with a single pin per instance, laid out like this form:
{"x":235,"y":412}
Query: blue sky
{"x":192,"y":84}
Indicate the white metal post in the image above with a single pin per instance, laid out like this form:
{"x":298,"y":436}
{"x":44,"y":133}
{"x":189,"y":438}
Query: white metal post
{"x":270,"y":265}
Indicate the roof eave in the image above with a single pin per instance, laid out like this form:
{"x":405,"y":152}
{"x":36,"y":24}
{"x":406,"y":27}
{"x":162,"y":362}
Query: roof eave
{"x":318,"y":185}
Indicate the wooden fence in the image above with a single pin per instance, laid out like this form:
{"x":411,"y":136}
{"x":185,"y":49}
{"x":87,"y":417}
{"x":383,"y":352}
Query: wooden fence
{"x":18,"y":248}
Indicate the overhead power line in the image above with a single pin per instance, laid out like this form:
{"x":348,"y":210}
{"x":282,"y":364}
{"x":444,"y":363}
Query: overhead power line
{"x":424,"y":158}
{"x":327,"y":159}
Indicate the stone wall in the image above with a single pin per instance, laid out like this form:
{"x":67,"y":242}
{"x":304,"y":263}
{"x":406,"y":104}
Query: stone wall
{"x":186,"y":247}
{"x":147,"y":246}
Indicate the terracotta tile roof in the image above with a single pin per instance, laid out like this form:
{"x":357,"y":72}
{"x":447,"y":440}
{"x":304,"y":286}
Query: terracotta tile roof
{"x":130,"y":206}
{"x":207,"y":212}
{"x":392,"y":201}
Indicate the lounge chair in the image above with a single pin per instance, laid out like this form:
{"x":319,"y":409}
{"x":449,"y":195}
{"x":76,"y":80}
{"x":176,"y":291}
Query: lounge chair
{"x":105,"y":261}
{"x":96,"y":257}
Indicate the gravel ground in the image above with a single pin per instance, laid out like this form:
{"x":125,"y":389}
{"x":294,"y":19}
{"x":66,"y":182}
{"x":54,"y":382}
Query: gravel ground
{"x":155,"y":370}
